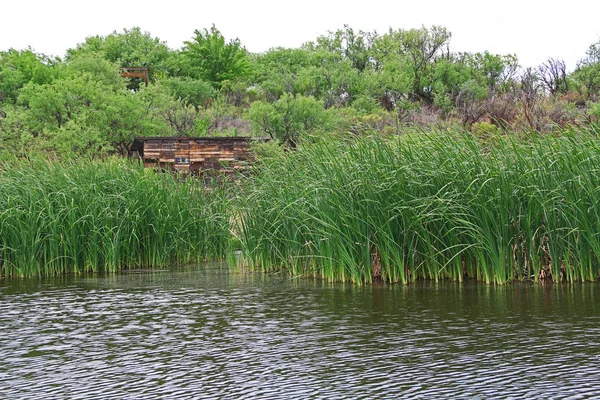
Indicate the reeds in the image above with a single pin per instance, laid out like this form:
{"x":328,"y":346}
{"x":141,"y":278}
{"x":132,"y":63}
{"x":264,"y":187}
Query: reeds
{"x":85,"y":215}
{"x":437,"y":205}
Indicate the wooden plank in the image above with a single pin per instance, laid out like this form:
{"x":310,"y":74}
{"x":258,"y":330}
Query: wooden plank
{"x":223,"y":154}
{"x":179,"y":146}
{"x":208,"y":148}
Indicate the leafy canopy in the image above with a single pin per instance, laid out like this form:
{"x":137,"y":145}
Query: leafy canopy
{"x":208,"y":57}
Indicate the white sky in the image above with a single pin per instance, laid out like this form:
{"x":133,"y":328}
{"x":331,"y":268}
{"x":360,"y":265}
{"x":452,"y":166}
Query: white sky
{"x":533,"y":29}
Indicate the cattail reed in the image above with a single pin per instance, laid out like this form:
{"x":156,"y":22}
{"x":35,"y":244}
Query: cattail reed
{"x":437,"y":205}
{"x":80,"y":216}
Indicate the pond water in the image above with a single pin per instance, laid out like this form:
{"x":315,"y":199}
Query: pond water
{"x":206,"y":332}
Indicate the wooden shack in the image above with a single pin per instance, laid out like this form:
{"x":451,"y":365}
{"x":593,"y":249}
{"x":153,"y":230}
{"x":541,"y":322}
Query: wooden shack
{"x":192,"y":155}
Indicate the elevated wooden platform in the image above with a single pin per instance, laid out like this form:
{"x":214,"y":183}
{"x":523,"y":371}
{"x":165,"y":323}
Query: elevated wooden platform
{"x":138,"y":72}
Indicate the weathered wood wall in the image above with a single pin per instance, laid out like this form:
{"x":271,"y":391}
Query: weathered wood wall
{"x":194,"y":154}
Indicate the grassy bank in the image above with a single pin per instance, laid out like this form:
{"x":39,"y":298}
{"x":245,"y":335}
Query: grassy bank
{"x":82,"y":216}
{"x":430,"y":206}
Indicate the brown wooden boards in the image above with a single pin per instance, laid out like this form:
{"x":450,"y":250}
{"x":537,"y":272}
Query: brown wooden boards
{"x":195,"y":154}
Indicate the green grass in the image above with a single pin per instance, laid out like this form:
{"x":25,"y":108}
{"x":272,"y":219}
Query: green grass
{"x":83,"y":216}
{"x":437,"y":205}
{"x":426,"y":205}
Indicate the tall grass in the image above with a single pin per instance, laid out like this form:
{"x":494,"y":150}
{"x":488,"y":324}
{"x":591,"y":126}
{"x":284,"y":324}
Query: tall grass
{"x":82,"y":216}
{"x":437,"y":205}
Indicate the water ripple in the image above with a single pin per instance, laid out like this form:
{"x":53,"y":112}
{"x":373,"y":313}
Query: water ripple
{"x":211,"y":334}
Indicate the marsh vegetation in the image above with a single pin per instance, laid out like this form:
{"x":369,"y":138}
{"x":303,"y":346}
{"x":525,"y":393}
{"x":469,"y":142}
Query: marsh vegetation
{"x":430,"y":205}
{"x":102,"y":216}
{"x":392,"y":158}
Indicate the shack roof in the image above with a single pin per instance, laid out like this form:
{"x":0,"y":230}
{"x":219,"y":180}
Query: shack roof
{"x":138,"y":143}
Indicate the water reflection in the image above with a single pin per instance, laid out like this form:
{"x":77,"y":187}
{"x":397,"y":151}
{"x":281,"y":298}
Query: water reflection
{"x":210,"y":333}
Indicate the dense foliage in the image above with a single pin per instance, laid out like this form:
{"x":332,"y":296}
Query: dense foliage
{"x":344,"y":81}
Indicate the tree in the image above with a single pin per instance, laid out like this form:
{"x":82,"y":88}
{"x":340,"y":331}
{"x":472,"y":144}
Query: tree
{"x":449,"y":73}
{"x":389,"y":85}
{"x":52,"y":105}
{"x":469,"y":102}
{"x":11,"y":81}
{"x":592,"y":55}
{"x":355,"y":47}
{"x":209,"y":58}
{"x":279,"y":70}
{"x":80,"y":114}
{"x":288,"y":118}
{"x":130,"y":48}
{"x":15,"y":137}
{"x":448,"y":76}
{"x":17,"y":68}
{"x":587,"y":73}
{"x":553,"y":75}
{"x":193,"y":92}
{"x":99,"y":68}
{"x":125,"y":115}
{"x":178,"y":117}
{"x":496,"y":70}
{"x":315,"y":72}
{"x":282,"y":60}
{"x":418,"y":48}
{"x":530,"y":96}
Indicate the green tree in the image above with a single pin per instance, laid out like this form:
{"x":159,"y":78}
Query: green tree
{"x":18,"y":68}
{"x":448,"y":76}
{"x":282,"y":70}
{"x":124,"y":115}
{"x":193,"y":92}
{"x":592,"y":55}
{"x":587,"y":73}
{"x":99,"y":68}
{"x":322,"y":74}
{"x":470,"y":102}
{"x":288,"y":118}
{"x":418,"y":48}
{"x":587,"y":76}
{"x":130,"y":48}
{"x":497,"y":71}
{"x":283,"y":60}
{"x":52,"y":105}
{"x":11,"y":81}
{"x":389,"y":85}
{"x":355,"y":47}
{"x":208,"y":57}
{"x":15,"y":137}
{"x":80,"y":114}
{"x":175,"y":116}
